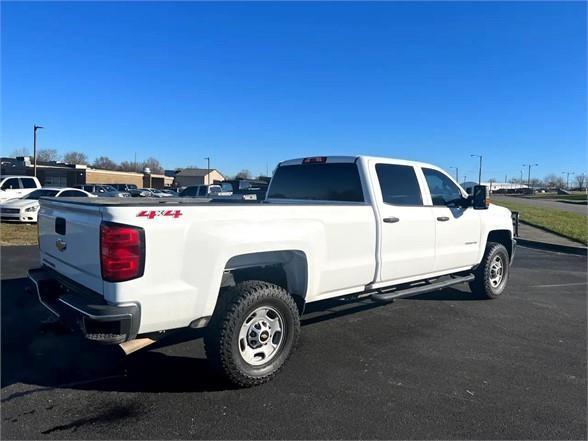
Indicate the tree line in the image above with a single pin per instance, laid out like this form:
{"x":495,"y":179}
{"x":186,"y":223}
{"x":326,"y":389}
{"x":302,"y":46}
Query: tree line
{"x":102,"y":162}
{"x":553,"y":181}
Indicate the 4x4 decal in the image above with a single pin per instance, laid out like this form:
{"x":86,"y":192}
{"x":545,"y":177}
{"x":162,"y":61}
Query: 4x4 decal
{"x":150,"y":214}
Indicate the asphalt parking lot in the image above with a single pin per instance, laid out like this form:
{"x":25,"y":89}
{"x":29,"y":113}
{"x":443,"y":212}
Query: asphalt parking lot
{"x":439,"y":365}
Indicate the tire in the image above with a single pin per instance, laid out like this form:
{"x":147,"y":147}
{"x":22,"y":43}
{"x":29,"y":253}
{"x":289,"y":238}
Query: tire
{"x":254,"y":329}
{"x":492,"y":273}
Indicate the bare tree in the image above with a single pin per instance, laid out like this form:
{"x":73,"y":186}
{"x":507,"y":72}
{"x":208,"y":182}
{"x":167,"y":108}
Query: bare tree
{"x":153,"y":165}
{"x":554,"y":181}
{"x":47,"y":155}
{"x":129,"y":166}
{"x":75,"y":158}
{"x":581,"y":180}
{"x":105,"y":163}
{"x":23,"y":151}
{"x":243,"y":174}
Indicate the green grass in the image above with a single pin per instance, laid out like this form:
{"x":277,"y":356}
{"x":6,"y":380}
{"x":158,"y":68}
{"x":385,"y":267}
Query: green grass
{"x":563,"y":197}
{"x":571,"y":225}
{"x":18,"y":234}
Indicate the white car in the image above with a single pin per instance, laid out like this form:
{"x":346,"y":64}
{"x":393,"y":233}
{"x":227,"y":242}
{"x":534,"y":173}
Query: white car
{"x":156,"y":193}
{"x":128,"y":271}
{"x":14,"y":187}
{"x":26,"y":209}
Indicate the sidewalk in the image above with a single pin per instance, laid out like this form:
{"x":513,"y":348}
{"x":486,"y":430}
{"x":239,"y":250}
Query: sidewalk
{"x":533,"y":236}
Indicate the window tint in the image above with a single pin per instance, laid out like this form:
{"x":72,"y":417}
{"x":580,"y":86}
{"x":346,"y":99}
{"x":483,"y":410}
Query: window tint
{"x":72,"y":193}
{"x":42,"y":192}
{"x":318,"y":182}
{"x":28,"y":183}
{"x":202,"y":190}
{"x":11,"y":183}
{"x":399,"y":184}
{"x":189,"y":191}
{"x":443,"y":190}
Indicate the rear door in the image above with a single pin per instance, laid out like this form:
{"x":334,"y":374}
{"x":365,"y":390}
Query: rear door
{"x":457,"y":228}
{"x":69,"y":240}
{"x":407,"y":227}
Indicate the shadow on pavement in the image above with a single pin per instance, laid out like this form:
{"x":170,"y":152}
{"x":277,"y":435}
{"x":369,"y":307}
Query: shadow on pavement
{"x":37,"y":351}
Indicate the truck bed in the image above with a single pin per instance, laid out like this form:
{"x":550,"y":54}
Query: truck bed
{"x":141,"y":202}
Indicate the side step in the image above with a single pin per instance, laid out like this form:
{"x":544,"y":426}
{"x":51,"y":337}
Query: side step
{"x":382,"y":296}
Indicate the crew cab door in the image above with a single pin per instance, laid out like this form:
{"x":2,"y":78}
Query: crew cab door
{"x":457,"y":229}
{"x":406,"y":225}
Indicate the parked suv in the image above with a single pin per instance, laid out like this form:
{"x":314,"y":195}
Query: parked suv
{"x":14,"y":187}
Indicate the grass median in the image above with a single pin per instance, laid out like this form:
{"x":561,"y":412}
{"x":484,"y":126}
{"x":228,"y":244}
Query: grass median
{"x":571,"y":225}
{"x":18,"y":234}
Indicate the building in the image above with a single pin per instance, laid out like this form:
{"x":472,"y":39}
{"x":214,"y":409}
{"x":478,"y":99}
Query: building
{"x":197,"y":176}
{"x":60,"y":174}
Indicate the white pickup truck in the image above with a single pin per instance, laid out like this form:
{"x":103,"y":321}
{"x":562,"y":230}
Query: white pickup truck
{"x":126,"y":271}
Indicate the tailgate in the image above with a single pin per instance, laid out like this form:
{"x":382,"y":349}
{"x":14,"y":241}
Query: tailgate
{"x":69,"y":240}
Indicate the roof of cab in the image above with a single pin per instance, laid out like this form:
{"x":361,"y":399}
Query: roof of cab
{"x":340,"y":159}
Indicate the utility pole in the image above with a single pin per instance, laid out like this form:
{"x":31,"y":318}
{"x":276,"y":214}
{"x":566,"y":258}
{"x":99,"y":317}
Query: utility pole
{"x":456,"y":173}
{"x":480,"y":169}
{"x":567,"y":178}
{"x":529,"y":173}
{"x":208,"y":170}
{"x":35,"y":128}
{"x":521,"y":180}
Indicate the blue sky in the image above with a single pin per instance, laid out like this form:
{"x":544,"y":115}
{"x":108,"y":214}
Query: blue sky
{"x":250,"y":84}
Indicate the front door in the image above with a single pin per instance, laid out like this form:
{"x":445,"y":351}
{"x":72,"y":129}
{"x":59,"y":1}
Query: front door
{"x":457,"y":229}
{"x":407,"y":227}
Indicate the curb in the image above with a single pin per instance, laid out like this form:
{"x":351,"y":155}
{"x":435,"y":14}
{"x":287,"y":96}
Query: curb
{"x":581,"y":251}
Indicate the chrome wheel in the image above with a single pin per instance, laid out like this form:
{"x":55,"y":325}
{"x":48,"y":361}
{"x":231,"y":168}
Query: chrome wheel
{"x":261,"y":335}
{"x":496,"y":271}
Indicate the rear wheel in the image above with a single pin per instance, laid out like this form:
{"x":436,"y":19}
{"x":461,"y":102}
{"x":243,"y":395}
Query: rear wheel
{"x":253,"y":332}
{"x":492,"y":273}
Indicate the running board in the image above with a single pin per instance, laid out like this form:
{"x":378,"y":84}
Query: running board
{"x":383,"y":297}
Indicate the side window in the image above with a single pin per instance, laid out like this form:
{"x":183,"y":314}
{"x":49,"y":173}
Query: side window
{"x":399,"y":184}
{"x":28,"y":183}
{"x":72,"y":193}
{"x":443,"y":190}
{"x":202,"y":190}
{"x":11,"y":184}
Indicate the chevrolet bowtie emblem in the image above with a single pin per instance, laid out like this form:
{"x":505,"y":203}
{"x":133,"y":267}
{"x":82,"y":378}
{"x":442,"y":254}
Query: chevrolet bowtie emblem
{"x":61,"y":244}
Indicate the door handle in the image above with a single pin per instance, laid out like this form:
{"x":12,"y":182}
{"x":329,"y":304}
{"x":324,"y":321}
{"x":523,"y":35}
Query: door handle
{"x":391,"y":220}
{"x":442,"y":218}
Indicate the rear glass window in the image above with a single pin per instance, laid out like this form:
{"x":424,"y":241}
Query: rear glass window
{"x":399,"y":184}
{"x":317,"y":182}
{"x":41,"y":193}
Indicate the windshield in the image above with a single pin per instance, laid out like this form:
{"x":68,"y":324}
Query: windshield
{"x":38,"y":193}
{"x":109,"y":188}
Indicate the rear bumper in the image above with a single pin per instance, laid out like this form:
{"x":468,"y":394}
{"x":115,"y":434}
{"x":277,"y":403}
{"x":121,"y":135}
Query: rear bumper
{"x":78,"y":307}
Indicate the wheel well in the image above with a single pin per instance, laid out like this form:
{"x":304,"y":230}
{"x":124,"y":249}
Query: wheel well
{"x":287,"y":269}
{"x":503,"y":237}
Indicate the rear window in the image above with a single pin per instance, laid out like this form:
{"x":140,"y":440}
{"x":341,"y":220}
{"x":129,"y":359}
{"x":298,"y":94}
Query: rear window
{"x":318,"y":182}
{"x":399,"y":184}
{"x":28,"y":183}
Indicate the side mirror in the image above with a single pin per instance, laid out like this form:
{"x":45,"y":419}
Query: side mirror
{"x":480,"y":200}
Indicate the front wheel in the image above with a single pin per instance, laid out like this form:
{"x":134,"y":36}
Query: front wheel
{"x":253,"y":331}
{"x":492,"y":273}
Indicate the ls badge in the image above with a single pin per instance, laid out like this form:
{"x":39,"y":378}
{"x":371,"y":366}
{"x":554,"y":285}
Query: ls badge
{"x":60,"y":244}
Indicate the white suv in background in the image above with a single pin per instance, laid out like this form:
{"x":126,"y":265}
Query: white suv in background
{"x":14,"y":187}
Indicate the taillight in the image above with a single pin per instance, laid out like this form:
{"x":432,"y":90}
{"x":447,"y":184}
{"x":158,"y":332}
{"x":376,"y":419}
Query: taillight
{"x":122,"y":252}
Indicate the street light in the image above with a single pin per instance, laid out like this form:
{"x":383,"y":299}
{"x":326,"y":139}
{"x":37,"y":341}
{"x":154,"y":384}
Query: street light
{"x":480,"y":169}
{"x":567,"y":178}
{"x":456,"y":173}
{"x":208,"y":170}
{"x":529,"y":173}
{"x":35,"y":128}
